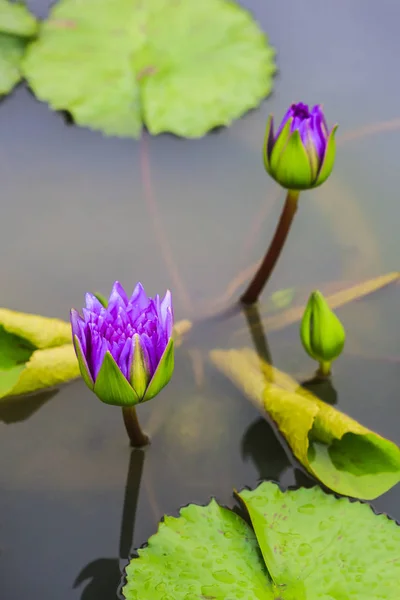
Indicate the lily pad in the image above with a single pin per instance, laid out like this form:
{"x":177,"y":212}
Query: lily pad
{"x":12,"y":49}
{"x":35,"y":353}
{"x":14,"y":353}
{"x":17,"y":25}
{"x":182,"y":67}
{"x":301,"y":544}
{"x":16,"y":19}
{"x":343,"y":454}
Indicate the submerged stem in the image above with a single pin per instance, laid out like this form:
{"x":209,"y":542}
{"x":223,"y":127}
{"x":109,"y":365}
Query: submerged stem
{"x":131,"y":498}
{"x":137,"y":437}
{"x":267,"y":266}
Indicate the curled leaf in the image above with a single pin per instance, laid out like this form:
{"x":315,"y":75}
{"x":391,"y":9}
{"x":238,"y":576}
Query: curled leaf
{"x":344,"y":455}
{"x":35,"y":353}
{"x":41,"y":332}
{"x":46,"y":368}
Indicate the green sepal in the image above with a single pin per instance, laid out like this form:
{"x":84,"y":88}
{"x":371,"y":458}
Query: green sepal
{"x":111,"y":387}
{"x":279,"y":145}
{"x":322,"y":334}
{"x":83,"y":366}
{"x":305,"y":328}
{"x":102,"y":299}
{"x":293,"y":170}
{"x":329,"y":158}
{"x":140,"y":375}
{"x":268,"y":141}
{"x":163,"y":373}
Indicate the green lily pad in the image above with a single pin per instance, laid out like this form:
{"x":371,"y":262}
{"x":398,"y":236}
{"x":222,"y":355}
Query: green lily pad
{"x":12,"y":49}
{"x":16,"y":26}
{"x":343,"y":454}
{"x":35,"y":353}
{"x":301,"y":545}
{"x":16,"y":19}
{"x":182,"y":67}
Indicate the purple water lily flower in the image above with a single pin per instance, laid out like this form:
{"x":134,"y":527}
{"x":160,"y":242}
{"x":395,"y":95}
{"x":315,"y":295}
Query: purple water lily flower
{"x":301,"y":154}
{"x":125,"y":349}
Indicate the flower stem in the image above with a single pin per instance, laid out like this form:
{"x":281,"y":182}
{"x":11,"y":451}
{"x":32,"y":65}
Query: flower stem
{"x":324,"y":368}
{"x":267,"y":266}
{"x":137,"y":437}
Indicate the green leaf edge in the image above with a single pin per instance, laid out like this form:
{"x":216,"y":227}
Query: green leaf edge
{"x":329,"y":158}
{"x":241,"y":497}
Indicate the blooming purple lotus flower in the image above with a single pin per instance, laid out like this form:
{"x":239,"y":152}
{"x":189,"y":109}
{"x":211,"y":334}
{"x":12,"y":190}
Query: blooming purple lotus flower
{"x":125,"y":349}
{"x":301,"y":154}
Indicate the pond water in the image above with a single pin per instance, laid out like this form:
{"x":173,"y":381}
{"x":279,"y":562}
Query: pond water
{"x":80,"y":210}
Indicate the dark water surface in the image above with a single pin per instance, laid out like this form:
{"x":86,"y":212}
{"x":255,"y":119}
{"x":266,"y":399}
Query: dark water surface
{"x":76,"y":216}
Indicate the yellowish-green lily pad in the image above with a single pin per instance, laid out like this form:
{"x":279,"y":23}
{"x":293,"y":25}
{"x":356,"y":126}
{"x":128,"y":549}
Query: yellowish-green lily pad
{"x":343,"y":454}
{"x":184,"y":67}
{"x":35,"y":353}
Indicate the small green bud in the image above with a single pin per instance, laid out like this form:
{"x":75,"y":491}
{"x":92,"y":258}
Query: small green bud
{"x":322,"y":334}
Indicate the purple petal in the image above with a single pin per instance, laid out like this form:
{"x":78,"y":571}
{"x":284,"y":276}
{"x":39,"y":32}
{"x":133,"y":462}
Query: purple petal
{"x":82,"y":357}
{"x":93,"y":304}
{"x":126,"y":357}
{"x":300,"y":114}
{"x":169,"y":323}
{"x":319,"y":113}
{"x":289,"y":113}
{"x":164,"y":306}
{"x":320,"y":137}
{"x":139,"y":299}
{"x":76,"y":319}
{"x":305,"y":133}
{"x":150,"y":348}
{"x":99,"y":350}
{"x":118,"y":298}
{"x":89,"y":316}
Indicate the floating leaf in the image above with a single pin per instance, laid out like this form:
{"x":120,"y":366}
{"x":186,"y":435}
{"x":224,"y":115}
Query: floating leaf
{"x":208,"y":552}
{"x":347,"y":457}
{"x":12,"y":49}
{"x":47,"y":368}
{"x":41,"y":332}
{"x":14,"y":353}
{"x":182,"y":67}
{"x":16,"y":25}
{"x":314,"y":545}
{"x":16,"y":19}
{"x":319,"y":546}
{"x":35,"y":353}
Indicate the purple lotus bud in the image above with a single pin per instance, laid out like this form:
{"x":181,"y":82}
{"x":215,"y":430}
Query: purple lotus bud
{"x":125,"y":349}
{"x":301,"y":154}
